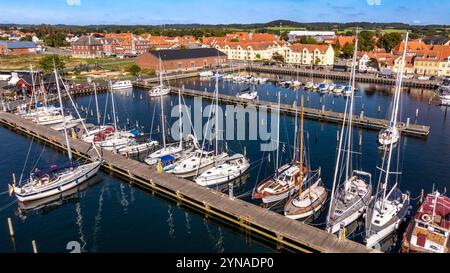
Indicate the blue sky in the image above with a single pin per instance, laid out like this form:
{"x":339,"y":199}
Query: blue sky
{"x":82,"y":12}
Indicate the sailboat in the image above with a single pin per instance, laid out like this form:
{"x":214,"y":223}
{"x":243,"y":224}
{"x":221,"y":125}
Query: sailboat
{"x":202,"y":159}
{"x":56,"y":179}
{"x":310,"y":84}
{"x":175,"y":150}
{"x":312,"y":194}
{"x":91,"y":133}
{"x":225,"y":169}
{"x":116,"y":139}
{"x":159,"y":90}
{"x":389,"y":207}
{"x":350,"y":197}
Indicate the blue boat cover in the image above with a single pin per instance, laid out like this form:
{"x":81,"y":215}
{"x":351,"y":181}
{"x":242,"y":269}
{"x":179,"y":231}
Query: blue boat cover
{"x":134,"y":132}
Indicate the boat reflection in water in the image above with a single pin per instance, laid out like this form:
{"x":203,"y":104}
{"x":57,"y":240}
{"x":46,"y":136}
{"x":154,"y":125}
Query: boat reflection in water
{"x":46,"y":205}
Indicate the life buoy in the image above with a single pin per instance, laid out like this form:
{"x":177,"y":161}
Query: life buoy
{"x":426,"y":217}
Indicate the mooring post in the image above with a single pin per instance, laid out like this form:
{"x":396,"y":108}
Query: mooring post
{"x":11,"y":230}
{"x":421,"y":195}
{"x":407,"y":122}
{"x":230,"y":191}
{"x":417,"y":112}
{"x":33,"y":243}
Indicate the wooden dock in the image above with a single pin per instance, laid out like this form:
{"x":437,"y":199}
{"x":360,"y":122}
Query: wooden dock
{"x":310,"y":113}
{"x":262,"y":222}
{"x":344,"y":76}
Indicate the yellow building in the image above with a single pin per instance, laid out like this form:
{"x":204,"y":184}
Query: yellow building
{"x":306,"y":54}
{"x":251,"y":51}
{"x":433,"y":62}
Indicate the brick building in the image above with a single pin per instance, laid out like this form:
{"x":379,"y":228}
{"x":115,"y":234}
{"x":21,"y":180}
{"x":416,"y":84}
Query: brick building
{"x":88,"y":47}
{"x":182,"y":59}
{"x":17,"y":48}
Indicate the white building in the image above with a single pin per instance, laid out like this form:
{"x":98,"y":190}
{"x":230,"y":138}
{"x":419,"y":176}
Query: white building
{"x":318,"y":35}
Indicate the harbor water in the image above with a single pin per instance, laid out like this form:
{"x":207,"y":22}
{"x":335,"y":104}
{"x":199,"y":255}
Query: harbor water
{"x":110,"y":215}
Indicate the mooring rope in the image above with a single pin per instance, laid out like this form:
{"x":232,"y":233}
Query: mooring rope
{"x":8,"y":205}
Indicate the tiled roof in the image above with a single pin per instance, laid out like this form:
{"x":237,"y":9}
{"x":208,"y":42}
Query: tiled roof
{"x":310,"y":47}
{"x":177,"y":54}
{"x":17,"y":45}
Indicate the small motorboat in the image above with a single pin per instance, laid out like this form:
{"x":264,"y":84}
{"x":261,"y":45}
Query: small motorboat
{"x":119,"y":85}
{"x":224,"y":171}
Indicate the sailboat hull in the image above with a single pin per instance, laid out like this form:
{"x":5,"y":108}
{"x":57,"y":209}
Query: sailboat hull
{"x":65,"y":182}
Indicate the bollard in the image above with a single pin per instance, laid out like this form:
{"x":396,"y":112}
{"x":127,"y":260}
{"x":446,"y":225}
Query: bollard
{"x":379,"y":108}
{"x":323,"y":108}
{"x":11,"y":230}
{"x":417,"y":112}
{"x":421,"y":195}
{"x":360,"y":140}
{"x":407,"y":122}
{"x":361,"y":116}
{"x":230,"y":190}
{"x":33,"y":243}
{"x":337,"y":135}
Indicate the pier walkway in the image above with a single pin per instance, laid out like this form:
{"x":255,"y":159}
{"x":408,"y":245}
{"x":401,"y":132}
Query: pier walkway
{"x":310,"y":113}
{"x":251,"y":218}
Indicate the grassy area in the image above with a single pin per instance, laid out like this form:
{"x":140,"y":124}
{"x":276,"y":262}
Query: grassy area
{"x":23,"y":62}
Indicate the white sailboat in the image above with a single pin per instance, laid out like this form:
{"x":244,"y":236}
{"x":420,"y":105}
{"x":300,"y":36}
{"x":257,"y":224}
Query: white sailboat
{"x":226,"y":169}
{"x":389,"y":207}
{"x":176,"y":149}
{"x":159,"y":90}
{"x":56,"y":180}
{"x":352,"y":189}
{"x":201,"y":160}
{"x":120,"y":85}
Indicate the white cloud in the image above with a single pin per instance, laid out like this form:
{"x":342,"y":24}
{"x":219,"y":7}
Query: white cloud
{"x":73,"y":2}
{"x":373,"y":2}
{"x":417,"y":22}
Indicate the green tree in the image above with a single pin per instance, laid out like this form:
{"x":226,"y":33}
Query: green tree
{"x":337,"y":49}
{"x":49,"y":62}
{"x":134,"y":69}
{"x":307,"y":40}
{"x":258,"y":56}
{"x":284,"y":36}
{"x":317,"y":61}
{"x":390,"y":40}
{"x":27,"y":38}
{"x":366,"y":41}
{"x":277,"y":57}
{"x":234,"y":40}
{"x":348,"y":49}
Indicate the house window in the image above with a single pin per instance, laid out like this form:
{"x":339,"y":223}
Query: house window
{"x":180,"y":65}
{"x":192,"y":64}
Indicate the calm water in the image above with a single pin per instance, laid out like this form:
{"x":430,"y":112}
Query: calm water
{"x":113,"y":216}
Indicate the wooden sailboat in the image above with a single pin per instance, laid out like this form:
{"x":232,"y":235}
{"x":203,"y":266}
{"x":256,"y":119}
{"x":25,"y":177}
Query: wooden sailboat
{"x":56,"y":179}
{"x":389,"y":207}
{"x":312,"y":194}
{"x":352,"y":189}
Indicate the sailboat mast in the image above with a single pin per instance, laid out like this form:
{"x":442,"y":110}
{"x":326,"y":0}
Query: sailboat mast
{"x":181,"y":119}
{"x":397,"y":100}
{"x":33,"y":89}
{"x":162,"y":122}
{"x":113,"y":108}
{"x":278,"y":135}
{"x":96,"y":104}
{"x":69,"y":151}
{"x":160,"y":73}
{"x":301,"y":149}
{"x":350,"y":118}
{"x":216,"y":113}
{"x":42,"y":87}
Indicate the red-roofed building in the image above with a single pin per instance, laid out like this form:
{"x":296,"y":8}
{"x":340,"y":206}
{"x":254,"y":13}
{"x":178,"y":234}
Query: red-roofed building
{"x":251,"y":50}
{"x":306,"y":54}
